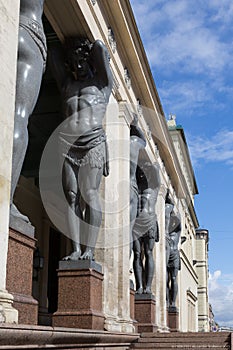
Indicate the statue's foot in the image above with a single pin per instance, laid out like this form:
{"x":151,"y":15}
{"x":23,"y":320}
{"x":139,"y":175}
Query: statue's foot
{"x":147,"y":290}
{"x":139,"y":290}
{"x":14,"y":211}
{"x":87,"y":255}
{"x":73,"y":256}
{"x":172,"y":308}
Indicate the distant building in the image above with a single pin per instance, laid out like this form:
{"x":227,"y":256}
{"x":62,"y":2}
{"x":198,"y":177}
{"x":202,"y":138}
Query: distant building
{"x":214,"y":327}
{"x":225,"y":329}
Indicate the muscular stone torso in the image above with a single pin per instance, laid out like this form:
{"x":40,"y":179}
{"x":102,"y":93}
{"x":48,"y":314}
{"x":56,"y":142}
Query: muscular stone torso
{"x":148,"y":204}
{"x":173,"y":233}
{"x":173,"y":240}
{"x":84,"y":106}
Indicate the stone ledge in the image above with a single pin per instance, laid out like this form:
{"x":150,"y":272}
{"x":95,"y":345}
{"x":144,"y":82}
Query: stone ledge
{"x":21,"y":226}
{"x":80,"y":265}
{"x":22,"y":337}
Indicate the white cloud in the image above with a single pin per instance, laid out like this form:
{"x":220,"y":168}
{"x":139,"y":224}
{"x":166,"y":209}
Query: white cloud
{"x":191,"y":36}
{"x":187,"y":96}
{"x":224,"y":11}
{"x":221,"y":297}
{"x":189,"y":47}
{"x":217,"y":149}
{"x":197,"y":50}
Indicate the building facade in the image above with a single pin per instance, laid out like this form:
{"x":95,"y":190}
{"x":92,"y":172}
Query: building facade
{"x":134,"y":92}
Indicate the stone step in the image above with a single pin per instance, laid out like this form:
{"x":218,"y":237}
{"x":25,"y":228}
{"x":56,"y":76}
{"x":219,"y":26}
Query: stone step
{"x":181,"y":347}
{"x":195,"y":341}
{"x":186,"y":335}
{"x":184,"y":340}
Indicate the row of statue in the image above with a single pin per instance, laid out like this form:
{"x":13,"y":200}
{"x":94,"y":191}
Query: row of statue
{"x":83,"y":75}
{"x":144,"y":228}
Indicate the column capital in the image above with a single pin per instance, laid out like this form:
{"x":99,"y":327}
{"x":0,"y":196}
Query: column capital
{"x":202,"y":234}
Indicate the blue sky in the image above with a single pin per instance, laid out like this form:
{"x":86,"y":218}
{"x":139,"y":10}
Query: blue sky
{"x":189,"y":44}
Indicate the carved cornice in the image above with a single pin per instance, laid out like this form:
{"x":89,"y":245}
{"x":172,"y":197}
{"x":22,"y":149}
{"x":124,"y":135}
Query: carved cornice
{"x":111,"y":40}
{"x":191,"y":296}
{"x":127,"y":78}
{"x":139,"y":108}
{"x":148,"y":132}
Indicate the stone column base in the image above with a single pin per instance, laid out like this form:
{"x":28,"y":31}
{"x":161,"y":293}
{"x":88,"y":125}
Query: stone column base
{"x":132,"y":307}
{"x":173,"y":318}
{"x":145,"y":312}
{"x":27,"y":307}
{"x":8,"y":314}
{"x":79,"y":295}
{"x":117,"y":324}
{"x":19,"y":273}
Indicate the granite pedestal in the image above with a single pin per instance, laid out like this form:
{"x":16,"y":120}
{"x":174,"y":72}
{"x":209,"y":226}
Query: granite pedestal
{"x":79,"y":295}
{"x":173,"y":318}
{"x":20,"y":270}
{"x":145,"y":308}
{"x":132,"y":307}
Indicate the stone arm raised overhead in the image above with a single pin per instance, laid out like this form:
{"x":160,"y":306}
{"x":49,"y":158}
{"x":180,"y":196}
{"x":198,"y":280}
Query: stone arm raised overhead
{"x":99,"y":60}
{"x":155,"y":180}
